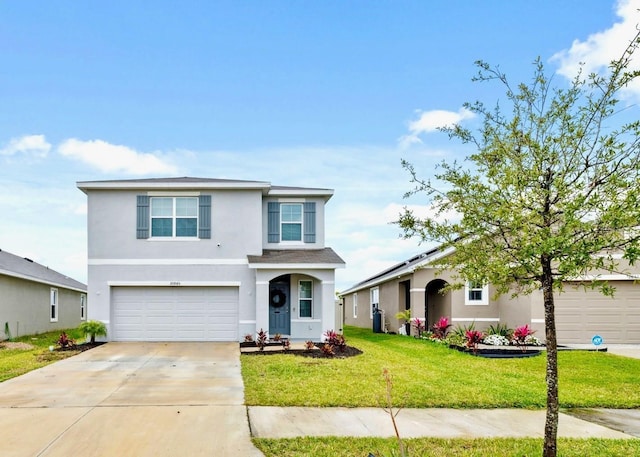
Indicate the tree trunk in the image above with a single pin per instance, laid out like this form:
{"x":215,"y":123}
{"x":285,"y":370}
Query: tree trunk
{"x":550,"y":448}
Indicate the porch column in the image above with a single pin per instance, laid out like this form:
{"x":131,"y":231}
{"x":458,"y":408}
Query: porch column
{"x":328,"y":306}
{"x":262,"y":306}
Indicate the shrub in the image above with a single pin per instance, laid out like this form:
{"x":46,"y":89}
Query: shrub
{"x":261,"y":339}
{"x":473,"y":338}
{"x":309,"y":345}
{"x":520,"y":335}
{"x":65,"y":342}
{"x":248,"y":338}
{"x":286,"y":345}
{"x":327,"y":349}
{"x":336,"y":340}
{"x":500,"y":329}
{"x":93,"y":329}
{"x":419,"y":325}
{"x":441,"y":328}
{"x":277,"y":337}
{"x":461,"y":330}
{"x":496,"y":340}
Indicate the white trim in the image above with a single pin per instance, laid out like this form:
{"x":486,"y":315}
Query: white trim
{"x":262,"y":283}
{"x":41,"y":281}
{"x":242,"y":322}
{"x":416,"y":291}
{"x":291,"y":200}
{"x":189,"y":185}
{"x":175,"y":193}
{"x":477,"y":319}
{"x":174,"y":283}
{"x":296,"y":266}
{"x":168,"y":262}
{"x":484,"y":298}
{"x":306,"y":321}
{"x":537,"y":321}
{"x":611,"y":277}
{"x":398,"y":273}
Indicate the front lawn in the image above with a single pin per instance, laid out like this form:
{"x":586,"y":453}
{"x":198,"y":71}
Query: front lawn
{"x":32,"y":353}
{"x":427,"y":374}
{"x":436,"y":447}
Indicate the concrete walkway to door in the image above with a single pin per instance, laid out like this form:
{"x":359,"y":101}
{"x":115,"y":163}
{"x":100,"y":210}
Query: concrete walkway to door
{"x":137,"y":399}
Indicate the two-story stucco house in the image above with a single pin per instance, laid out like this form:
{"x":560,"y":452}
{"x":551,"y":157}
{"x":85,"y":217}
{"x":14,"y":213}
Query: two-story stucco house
{"x":193,"y":259}
{"x":36,"y":299}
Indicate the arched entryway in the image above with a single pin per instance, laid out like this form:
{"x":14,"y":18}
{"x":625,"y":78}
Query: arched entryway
{"x":436,"y":303}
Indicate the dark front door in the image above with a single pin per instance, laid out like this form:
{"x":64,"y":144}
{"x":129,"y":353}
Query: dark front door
{"x":279,"y":306}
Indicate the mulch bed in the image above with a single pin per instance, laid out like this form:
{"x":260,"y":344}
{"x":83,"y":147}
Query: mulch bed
{"x":80,"y":347}
{"x":348,"y":351}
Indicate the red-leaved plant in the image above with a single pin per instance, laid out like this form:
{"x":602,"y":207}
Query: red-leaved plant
{"x":419,"y":325}
{"x":441,"y":328}
{"x":262,"y":340}
{"x":336,"y":340}
{"x":520,"y":335}
{"x":473,"y":337}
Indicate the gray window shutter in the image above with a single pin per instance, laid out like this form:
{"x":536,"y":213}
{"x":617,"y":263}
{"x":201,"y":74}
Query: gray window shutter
{"x":310,"y":222}
{"x":142,"y":218}
{"x":273,"y":222}
{"x":204,"y":219}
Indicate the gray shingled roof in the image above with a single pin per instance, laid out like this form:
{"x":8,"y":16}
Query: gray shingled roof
{"x":304,"y":256}
{"x":20,"y":267}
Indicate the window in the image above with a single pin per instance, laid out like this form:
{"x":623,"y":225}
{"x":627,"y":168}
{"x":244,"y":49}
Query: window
{"x":291,"y":221}
{"x":476,"y":293}
{"x":305,"y":293}
{"x":375,"y":293}
{"x":355,"y":305}
{"x":83,"y":307}
{"x":53,"y":305}
{"x":174,"y":217}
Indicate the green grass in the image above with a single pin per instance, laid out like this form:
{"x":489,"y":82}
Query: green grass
{"x":15,"y":362}
{"x":431,"y":375}
{"x":504,"y":447}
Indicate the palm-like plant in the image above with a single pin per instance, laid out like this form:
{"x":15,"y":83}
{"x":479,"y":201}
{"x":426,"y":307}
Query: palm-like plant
{"x":93,"y":329}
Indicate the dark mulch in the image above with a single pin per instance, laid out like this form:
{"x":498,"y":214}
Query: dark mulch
{"x":348,"y":351}
{"x":80,"y":347}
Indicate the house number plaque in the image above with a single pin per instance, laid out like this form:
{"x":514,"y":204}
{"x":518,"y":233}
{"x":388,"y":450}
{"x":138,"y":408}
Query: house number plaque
{"x":174,"y":283}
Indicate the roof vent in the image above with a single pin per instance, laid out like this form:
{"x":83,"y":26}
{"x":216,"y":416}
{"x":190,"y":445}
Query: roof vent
{"x":28,"y":260}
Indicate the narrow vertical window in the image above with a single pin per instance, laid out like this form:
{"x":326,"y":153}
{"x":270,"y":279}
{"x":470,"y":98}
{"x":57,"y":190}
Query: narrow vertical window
{"x":305,"y":292}
{"x":83,"y":307}
{"x":53,"y":305}
{"x":355,"y":305}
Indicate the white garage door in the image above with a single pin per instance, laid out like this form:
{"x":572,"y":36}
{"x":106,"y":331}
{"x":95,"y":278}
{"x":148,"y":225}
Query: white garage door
{"x":582,"y":314}
{"x":174,"y":313}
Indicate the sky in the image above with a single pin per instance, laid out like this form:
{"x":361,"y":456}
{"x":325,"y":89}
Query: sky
{"x":330,"y":94}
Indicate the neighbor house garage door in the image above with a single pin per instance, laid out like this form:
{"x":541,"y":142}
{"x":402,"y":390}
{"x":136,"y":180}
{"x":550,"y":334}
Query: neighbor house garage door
{"x":174,"y":313}
{"x":582,"y":314}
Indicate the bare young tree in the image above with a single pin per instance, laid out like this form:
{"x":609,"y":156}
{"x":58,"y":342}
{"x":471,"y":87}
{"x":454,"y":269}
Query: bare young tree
{"x":551,"y":192}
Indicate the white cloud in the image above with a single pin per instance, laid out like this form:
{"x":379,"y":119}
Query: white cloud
{"x":430,"y":121}
{"x":111,"y":158}
{"x":596,"y":52}
{"x":32,"y":145}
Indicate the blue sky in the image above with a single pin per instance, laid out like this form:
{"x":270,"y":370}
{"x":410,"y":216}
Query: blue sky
{"x":301,"y":93}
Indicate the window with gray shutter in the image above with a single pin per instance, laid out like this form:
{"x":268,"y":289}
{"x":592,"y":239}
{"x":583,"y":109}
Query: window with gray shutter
{"x":142,"y":218}
{"x":309,"y":222}
{"x":273,"y":222}
{"x":204,"y":222}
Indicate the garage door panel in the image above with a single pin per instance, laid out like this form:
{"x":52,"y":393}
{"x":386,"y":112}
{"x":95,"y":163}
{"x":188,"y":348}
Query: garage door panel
{"x":175,"y":314}
{"x":581,"y":314}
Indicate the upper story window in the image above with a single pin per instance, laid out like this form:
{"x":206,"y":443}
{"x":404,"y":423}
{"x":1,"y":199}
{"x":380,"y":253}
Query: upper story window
{"x":177,"y":217}
{"x":174,"y":216}
{"x":53,"y":305}
{"x":291,"y":222}
{"x":476,"y":293}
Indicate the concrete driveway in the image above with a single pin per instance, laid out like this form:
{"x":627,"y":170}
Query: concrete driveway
{"x":138,"y":399}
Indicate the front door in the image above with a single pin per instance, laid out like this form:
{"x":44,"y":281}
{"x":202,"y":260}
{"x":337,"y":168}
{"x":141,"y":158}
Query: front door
{"x":279,"y":306}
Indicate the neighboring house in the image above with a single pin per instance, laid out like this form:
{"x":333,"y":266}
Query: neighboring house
{"x":35,"y":299}
{"x":191,"y":259}
{"x":415,"y":284}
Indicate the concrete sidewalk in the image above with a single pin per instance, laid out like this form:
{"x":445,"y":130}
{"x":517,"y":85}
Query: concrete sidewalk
{"x":290,"y":422}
